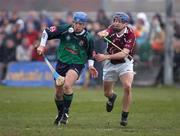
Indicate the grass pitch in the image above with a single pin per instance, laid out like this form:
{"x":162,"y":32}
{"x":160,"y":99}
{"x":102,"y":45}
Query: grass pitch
{"x":31,"y":112}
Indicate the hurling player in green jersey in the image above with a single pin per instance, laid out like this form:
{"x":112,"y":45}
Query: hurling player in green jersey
{"x":75,"y":49}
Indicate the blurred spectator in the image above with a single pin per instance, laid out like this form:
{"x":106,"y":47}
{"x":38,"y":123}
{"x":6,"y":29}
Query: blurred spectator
{"x":31,"y":33}
{"x":51,"y":49}
{"x":58,"y":20}
{"x":17,"y":31}
{"x":33,"y":27}
{"x":9,"y":51}
{"x":33,"y":18}
{"x":24,"y":51}
{"x":43,"y":26}
{"x":44,"y":17}
{"x":2,"y":65}
{"x":20,"y":25}
{"x":157,"y":36}
{"x":102,"y":18}
{"x":89,"y":26}
{"x":157,"y":39}
{"x":1,"y":18}
{"x":131,"y":19}
{"x":14,"y":17}
{"x":176,"y":46}
{"x":142,"y":39}
{"x":2,"y":37}
{"x":100,"y":47}
{"x":18,"y":37}
{"x":69,"y":17}
{"x":143,"y":16}
{"x":7,"y":26}
{"x":35,"y":55}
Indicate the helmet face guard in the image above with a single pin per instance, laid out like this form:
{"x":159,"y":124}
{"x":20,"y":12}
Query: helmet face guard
{"x":80,"y":17}
{"x":121,"y":16}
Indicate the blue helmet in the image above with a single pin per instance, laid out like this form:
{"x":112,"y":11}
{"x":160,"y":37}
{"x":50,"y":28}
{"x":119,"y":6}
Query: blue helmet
{"x":121,"y":16}
{"x":80,"y":17}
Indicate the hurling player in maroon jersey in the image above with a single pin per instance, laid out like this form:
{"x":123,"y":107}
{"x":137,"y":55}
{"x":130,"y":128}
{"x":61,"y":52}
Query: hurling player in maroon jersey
{"x":118,"y":63}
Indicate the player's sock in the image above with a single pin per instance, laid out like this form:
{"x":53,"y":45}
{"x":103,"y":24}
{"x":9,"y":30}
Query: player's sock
{"x":67,"y":102}
{"x":124,"y":114}
{"x":59,"y":105}
{"x":124,"y":117}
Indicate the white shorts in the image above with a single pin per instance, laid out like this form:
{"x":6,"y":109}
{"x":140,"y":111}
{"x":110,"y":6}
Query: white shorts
{"x":112,"y":72}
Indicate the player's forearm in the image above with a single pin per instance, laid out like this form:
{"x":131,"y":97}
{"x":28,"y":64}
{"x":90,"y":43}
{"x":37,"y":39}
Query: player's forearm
{"x":103,"y":33}
{"x":117,"y":56}
{"x":90,"y":59}
{"x":44,"y":38}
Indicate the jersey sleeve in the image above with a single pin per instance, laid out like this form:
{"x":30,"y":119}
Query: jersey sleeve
{"x":91,"y":48}
{"x":130,"y":41}
{"x":110,"y":31}
{"x":55,"y":32}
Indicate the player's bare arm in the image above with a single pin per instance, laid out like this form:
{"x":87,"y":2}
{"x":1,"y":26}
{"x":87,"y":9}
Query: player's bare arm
{"x":41,"y":48}
{"x":120,"y":55}
{"x":123,"y":54}
{"x":103,"y":33}
{"x":93,"y":71}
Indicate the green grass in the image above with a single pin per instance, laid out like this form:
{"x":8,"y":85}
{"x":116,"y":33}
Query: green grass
{"x":31,"y":112}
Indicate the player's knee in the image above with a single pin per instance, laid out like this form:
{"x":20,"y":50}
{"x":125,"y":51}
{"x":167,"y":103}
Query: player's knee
{"x":59,"y":91}
{"x":127,"y":87}
{"x":58,"y":96}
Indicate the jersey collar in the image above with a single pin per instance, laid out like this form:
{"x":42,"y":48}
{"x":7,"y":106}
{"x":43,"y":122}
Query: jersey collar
{"x":81,"y":33}
{"x":125,"y":32}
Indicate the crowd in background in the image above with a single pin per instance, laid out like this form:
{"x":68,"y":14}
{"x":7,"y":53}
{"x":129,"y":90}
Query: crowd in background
{"x":19,"y":36}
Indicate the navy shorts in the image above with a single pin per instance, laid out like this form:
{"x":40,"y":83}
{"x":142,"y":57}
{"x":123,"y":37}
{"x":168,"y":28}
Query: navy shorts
{"x":62,"y":68}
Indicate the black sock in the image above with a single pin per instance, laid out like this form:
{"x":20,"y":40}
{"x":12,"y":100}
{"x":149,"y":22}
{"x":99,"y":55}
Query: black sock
{"x":67,"y":102}
{"x":124,"y":114}
{"x":60,"y":105}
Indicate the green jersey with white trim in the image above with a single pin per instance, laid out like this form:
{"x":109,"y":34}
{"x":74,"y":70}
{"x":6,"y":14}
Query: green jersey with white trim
{"x":74,"y":48}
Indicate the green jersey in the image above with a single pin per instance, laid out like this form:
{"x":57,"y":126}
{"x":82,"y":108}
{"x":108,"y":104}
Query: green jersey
{"x":74,"y":48}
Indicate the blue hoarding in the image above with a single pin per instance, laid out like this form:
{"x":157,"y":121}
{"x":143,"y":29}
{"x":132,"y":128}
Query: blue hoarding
{"x":32,"y":74}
